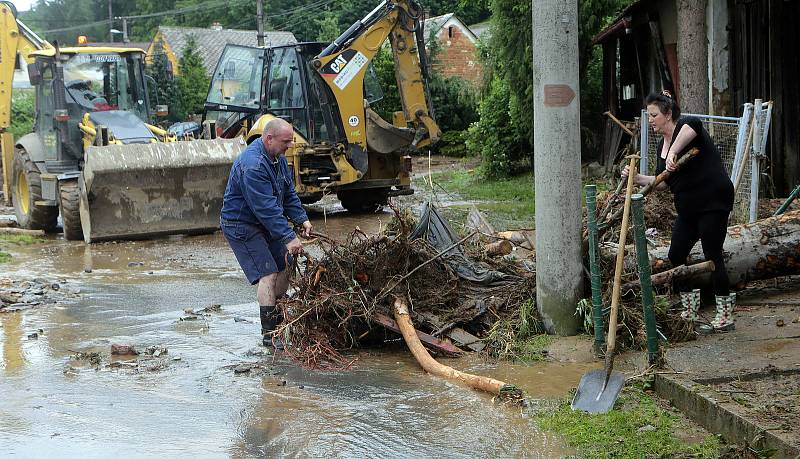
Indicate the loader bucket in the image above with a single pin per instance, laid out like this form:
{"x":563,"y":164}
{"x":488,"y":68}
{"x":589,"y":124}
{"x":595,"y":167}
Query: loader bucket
{"x":138,"y":190}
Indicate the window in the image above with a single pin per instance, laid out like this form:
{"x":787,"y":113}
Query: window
{"x":237,"y":78}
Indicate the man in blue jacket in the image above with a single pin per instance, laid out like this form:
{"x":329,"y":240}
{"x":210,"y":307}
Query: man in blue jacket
{"x":259,"y":198}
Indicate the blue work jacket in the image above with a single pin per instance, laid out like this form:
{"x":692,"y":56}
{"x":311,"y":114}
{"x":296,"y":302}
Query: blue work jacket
{"x":261,"y":192}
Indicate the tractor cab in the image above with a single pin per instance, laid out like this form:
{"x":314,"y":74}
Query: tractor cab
{"x":91,"y":87}
{"x":251,"y":81}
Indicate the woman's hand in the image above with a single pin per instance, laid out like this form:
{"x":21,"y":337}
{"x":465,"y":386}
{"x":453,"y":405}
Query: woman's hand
{"x":671,"y":166}
{"x":625,"y":172}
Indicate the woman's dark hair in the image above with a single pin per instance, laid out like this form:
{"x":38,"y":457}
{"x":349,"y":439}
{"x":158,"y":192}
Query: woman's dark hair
{"x":665,"y":103}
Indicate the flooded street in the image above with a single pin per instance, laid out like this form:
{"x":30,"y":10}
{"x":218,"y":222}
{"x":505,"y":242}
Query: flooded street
{"x":201,"y":398}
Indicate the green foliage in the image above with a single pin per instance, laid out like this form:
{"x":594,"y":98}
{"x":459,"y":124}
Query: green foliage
{"x":494,"y":137}
{"x":328,"y":27}
{"x":598,"y":435}
{"x":508,"y":56}
{"x":166,"y":88}
{"x":451,"y":143}
{"x":4,"y":257}
{"x":193,"y":82}
{"x":23,"y":112}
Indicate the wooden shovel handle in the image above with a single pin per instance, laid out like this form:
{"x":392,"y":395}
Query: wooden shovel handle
{"x":623,"y":234}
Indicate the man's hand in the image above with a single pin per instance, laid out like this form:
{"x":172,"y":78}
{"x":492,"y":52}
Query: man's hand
{"x":307,"y":228}
{"x":295,"y":247}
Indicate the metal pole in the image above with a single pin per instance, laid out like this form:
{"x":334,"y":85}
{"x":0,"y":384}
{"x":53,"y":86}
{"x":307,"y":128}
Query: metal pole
{"x":594,"y":268}
{"x":260,"y":22}
{"x":643,"y":262}
{"x":644,"y":150}
{"x":788,"y":201}
{"x":110,"y":23}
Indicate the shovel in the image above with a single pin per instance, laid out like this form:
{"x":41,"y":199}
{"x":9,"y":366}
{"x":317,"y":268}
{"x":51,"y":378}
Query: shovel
{"x":599,"y":389}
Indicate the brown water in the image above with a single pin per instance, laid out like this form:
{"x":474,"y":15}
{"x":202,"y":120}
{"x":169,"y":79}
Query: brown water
{"x":194,"y":404}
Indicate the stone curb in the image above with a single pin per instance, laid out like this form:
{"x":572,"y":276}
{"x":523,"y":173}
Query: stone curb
{"x":703,"y":406}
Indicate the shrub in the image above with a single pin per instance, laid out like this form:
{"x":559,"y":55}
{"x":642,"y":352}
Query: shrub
{"x":23,"y":112}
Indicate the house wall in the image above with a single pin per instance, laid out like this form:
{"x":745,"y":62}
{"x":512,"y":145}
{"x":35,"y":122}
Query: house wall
{"x":719,"y":61}
{"x":458,"y":55}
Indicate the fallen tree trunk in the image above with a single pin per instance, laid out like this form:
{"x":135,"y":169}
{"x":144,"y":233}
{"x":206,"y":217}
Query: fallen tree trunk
{"x":764,"y":249}
{"x":26,"y":232}
{"x":433,"y":367}
{"x":682,"y":272}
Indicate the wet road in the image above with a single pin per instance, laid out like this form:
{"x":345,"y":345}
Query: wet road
{"x":191,"y":402}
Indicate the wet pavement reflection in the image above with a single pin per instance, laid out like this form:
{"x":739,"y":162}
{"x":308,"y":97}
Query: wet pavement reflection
{"x":191,"y":402}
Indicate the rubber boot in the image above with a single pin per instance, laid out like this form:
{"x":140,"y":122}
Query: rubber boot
{"x":690,"y":301}
{"x":724,"y":320}
{"x":270,"y":318}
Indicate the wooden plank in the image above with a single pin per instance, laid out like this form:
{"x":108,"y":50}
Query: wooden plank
{"x":441,"y":346}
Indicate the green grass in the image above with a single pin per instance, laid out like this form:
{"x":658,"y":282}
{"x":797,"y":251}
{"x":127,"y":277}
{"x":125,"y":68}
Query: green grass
{"x":7,"y":240}
{"x":508,"y":203}
{"x":617,"y":433}
{"x":19,"y":239}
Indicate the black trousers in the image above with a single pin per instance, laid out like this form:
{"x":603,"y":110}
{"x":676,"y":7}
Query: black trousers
{"x":710,"y":228}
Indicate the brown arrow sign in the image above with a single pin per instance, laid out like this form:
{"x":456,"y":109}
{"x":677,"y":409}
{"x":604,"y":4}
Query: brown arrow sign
{"x":558,"y":95}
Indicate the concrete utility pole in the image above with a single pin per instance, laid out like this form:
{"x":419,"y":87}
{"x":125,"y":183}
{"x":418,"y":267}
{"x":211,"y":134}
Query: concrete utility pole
{"x":260,"y":22}
{"x":557,"y":176}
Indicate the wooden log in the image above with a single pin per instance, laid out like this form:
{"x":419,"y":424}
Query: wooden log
{"x":8,"y":224}
{"x":682,"y":272}
{"x":764,"y":249}
{"x":441,"y":346}
{"x":27,"y":232}
{"x":498,"y":248}
{"x":430,"y":365}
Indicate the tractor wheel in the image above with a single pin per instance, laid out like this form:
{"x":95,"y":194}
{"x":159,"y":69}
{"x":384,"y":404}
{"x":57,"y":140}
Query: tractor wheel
{"x":363,"y":201}
{"x":69,"y":205}
{"x":26,"y":189}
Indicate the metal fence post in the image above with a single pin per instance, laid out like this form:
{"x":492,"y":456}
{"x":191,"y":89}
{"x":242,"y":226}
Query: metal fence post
{"x":643,"y":262}
{"x":644,"y":147}
{"x":594,"y":268}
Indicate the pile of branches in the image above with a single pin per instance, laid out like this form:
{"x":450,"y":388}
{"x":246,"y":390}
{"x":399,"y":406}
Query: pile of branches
{"x":338,"y":296}
{"x":660,"y":214}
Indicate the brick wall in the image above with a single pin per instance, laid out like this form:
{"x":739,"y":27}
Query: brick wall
{"x":458,"y":56}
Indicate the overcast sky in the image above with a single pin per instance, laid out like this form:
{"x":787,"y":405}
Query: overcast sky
{"x":23,"y":5}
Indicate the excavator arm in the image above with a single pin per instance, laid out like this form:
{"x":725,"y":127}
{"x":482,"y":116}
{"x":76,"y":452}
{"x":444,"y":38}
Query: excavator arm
{"x":15,"y":39}
{"x":343,"y":65}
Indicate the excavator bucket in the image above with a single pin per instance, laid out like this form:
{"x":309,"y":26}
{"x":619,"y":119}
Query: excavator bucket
{"x":138,"y":190}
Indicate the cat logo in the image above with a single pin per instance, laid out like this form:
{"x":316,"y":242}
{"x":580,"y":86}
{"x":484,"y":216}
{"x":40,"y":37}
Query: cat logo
{"x":338,"y":63}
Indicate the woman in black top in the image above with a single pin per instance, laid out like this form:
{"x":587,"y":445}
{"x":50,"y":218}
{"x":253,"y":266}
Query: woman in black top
{"x":703,"y":195}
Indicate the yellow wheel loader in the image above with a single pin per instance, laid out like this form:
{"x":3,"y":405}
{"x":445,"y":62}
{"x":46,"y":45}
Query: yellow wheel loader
{"x":325,"y":90}
{"x":94,"y":156}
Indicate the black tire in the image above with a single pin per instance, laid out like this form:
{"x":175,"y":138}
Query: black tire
{"x":29,"y":215}
{"x":69,"y":205}
{"x":363,"y":201}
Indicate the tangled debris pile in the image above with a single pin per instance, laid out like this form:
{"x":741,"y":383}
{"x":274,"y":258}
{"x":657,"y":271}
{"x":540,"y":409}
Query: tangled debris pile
{"x":341,"y":295}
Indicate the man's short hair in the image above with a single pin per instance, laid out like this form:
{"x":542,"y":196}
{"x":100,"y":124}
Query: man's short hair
{"x":275,"y":124}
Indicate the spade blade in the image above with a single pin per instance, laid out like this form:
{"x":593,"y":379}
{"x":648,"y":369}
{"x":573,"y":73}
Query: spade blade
{"x":592,"y":396}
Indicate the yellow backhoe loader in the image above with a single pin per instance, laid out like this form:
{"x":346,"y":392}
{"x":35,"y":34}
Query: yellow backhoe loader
{"x":94,"y":156}
{"x":325,"y":91}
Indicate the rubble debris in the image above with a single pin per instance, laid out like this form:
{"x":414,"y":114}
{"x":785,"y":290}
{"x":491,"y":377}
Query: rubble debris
{"x":123,"y":349}
{"x":340,"y":295}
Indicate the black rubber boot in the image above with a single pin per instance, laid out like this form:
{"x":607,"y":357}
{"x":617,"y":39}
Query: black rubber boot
{"x":270,"y":319}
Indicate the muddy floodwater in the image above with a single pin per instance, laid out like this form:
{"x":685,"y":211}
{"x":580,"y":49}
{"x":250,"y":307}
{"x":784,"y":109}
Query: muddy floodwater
{"x":202,"y":386}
